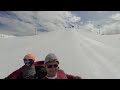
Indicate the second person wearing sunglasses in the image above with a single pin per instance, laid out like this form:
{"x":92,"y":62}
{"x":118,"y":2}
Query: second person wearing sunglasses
{"x":53,"y":71}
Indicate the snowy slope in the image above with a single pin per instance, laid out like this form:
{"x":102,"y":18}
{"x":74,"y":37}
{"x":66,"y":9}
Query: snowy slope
{"x":86,"y":54}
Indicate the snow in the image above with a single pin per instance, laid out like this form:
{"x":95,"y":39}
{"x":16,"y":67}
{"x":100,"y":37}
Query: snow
{"x":82,"y":53}
{"x":6,"y":36}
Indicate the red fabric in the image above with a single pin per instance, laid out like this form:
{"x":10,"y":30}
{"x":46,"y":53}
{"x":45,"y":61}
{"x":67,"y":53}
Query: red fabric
{"x":73,"y":77}
{"x":70,"y":76}
{"x":61,"y":74}
{"x":39,"y":63}
{"x":14,"y":74}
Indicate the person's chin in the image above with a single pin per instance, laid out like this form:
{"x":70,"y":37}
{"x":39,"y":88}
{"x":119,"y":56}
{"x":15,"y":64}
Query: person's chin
{"x":52,"y":75}
{"x":27,"y":64}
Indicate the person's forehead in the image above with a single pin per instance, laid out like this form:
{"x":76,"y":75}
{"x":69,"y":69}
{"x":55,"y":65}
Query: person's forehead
{"x":52,"y":62}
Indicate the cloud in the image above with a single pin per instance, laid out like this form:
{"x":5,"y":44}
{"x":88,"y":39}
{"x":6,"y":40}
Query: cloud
{"x":113,"y":25}
{"x":112,"y":28}
{"x":100,"y":11}
{"x":89,"y":27}
{"x":106,"y":26}
{"x":115,"y":16}
{"x":26,"y":22}
{"x":17,"y":27}
{"x":58,"y":19}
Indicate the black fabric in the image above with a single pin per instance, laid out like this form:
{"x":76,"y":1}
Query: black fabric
{"x":27,"y":73}
{"x":40,"y":72}
{"x":21,"y":77}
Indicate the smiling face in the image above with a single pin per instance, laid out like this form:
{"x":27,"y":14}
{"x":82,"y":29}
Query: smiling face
{"x":51,"y":68}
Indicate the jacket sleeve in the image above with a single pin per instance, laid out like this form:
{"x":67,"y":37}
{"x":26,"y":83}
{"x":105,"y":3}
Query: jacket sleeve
{"x":15,"y":74}
{"x":73,"y":77}
{"x":11,"y":76}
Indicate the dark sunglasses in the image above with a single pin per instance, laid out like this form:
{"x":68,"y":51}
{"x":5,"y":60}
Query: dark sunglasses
{"x":50,"y":66}
{"x":28,"y":61}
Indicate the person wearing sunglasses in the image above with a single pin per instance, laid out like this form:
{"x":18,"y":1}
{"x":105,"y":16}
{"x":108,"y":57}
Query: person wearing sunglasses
{"x":29,"y":70}
{"x":52,"y":67}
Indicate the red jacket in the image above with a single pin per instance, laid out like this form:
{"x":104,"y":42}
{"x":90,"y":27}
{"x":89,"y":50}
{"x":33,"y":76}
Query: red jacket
{"x":14,"y":74}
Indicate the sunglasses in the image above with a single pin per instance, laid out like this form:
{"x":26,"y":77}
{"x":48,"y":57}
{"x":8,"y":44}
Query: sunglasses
{"x":28,"y":61}
{"x":50,"y":66}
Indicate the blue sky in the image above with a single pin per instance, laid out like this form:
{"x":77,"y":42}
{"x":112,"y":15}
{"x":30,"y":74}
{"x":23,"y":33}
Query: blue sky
{"x":26,"y":22}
